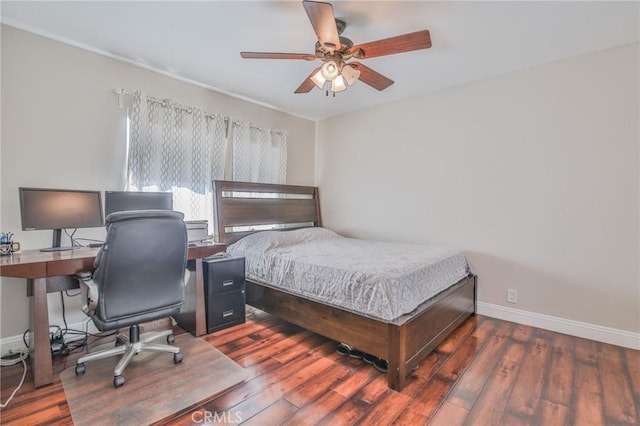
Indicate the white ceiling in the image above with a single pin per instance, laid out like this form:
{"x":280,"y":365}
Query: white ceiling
{"x":201,"y":41}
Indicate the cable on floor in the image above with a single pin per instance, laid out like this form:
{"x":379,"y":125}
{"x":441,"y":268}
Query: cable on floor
{"x":12,"y":358}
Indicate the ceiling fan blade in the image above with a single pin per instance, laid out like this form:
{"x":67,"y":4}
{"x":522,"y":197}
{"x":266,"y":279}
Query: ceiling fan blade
{"x":371,"y":77}
{"x":324,"y":23}
{"x":268,"y":55}
{"x":308,"y":84}
{"x":389,"y":46}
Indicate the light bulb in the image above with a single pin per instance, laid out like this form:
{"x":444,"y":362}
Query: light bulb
{"x":330,"y":70}
{"x":338,"y":84}
{"x":350,"y":74}
{"x":318,"y":79}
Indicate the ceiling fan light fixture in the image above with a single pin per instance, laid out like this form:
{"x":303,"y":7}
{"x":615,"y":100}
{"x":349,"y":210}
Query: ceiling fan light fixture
{"x":333,"y":49}
{"x":338,"y":84}
{"x":330,"y":70}
{"x":318,"y":79}
{"x":350,"y":74}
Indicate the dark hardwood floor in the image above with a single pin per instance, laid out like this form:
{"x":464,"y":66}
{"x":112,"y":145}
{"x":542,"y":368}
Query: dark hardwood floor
{"x":489,"y":372}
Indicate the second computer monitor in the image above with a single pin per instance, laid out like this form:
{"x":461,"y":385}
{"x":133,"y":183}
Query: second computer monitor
{"x":118,"y":201}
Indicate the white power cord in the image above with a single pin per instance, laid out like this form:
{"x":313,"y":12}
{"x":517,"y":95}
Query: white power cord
{"x":12,"y":358}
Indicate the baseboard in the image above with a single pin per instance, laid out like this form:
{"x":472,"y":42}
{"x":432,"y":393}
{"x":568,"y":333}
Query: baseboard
{"x":15,"y":342}
{"x":627,"y":339}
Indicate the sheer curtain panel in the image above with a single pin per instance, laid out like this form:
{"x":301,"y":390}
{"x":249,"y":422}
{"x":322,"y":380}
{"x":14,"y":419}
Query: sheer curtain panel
{"x":176,"y":148}
{"x":258,"y":154}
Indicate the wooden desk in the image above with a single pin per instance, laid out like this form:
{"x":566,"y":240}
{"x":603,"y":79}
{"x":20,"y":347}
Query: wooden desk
{"x":36,"y":266}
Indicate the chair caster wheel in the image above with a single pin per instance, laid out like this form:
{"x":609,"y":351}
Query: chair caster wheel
{"x":177,"y":358}
{"x":119,"y":341}
{"x":80,"y":369}
{"x":118,"y":381}
{"x":170,"y":339}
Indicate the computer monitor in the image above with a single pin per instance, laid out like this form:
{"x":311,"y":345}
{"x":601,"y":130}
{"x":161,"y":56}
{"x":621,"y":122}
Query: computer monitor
{"x":59,"y":209}
{"x":118,"y":201}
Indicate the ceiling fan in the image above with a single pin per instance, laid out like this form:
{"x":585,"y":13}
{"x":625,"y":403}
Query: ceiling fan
{"x":335,"y":50}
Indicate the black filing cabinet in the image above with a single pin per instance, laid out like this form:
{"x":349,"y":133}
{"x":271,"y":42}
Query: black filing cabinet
{"x":224,"y":291}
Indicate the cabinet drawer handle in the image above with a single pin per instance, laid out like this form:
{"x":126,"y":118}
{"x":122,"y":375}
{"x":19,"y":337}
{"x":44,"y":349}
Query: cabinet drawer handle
{"x":227,"y":282}
{"x":227,"y":313}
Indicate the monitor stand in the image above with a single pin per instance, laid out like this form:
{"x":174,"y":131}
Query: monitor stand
{"x":55,"y":246}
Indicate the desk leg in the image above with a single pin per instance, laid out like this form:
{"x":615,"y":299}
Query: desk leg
{"x":41,"y":362}
{"x":201,"y":320}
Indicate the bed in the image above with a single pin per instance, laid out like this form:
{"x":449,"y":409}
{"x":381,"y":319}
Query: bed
{"x":242,"y":209}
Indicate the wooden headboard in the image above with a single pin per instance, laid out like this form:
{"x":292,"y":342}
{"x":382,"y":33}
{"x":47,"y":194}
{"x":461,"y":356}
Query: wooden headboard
{"x":242,"y":208}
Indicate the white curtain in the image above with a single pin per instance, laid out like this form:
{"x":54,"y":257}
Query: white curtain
{"x":176,"y":148}
{"x":258,"y":154}
{"x":181,"y":149}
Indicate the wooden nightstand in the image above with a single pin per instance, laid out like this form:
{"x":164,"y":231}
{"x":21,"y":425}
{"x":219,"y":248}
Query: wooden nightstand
{"x":224,"y":292}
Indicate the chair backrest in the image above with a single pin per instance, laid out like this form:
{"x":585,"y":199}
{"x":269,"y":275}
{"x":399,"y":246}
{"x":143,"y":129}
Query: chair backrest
{"x":140,"y":268}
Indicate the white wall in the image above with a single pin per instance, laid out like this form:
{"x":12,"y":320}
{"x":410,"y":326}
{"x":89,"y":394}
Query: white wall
{"x":61,"y":128}
{"x":534,"y":174}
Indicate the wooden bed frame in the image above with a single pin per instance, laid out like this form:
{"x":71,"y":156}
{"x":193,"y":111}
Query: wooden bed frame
{"x":403,"y":342}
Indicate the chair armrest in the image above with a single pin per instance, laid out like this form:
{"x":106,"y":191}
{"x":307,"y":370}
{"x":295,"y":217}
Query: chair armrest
{"x":88,"y":293}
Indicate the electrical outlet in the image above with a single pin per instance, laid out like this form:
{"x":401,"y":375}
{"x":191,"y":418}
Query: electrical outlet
{"x":512,"y":295}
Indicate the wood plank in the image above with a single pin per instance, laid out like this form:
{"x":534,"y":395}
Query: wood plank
{"x":588,"y":408}
{"x":312,"y":389}
{"x":302,"y":346}
{"x":355,"y":381}
{"x":35,"y":417}
{"x":410,"y":417}
{"x":491,"y":404}
{"x":269,"y":347}
{"x":559,"y":384}
{"x":522,"y":333}
{"x":455,"y":339}
{"x":263,"y":367}
{"x":230,"y":334}
{"x":430,"y":398}
{"x":467,"y":389}
{"x":272,"y":415}
{"x":313,"y":412}
{"x":239,"y":345}
{"x":527,"y":392}
{"x":632,"y":359}
{"x":586,"y":350}
{"x":619,"y":406}
{"x":46,"y":398}
{"x":513,"y":419}
{"x":552,"y":414}
{"x":419,"y":378}
{"x":302,"y":375}
{"x":386,"y":409}
{"x":350,"y":412}
{"x":455,"y":365}
{"x":374,"y":390}
{"x":449,"y":415}
{"x":464,"y":353}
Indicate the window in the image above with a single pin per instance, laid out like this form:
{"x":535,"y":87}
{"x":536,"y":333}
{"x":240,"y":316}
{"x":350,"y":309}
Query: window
{"x":182,"y":149}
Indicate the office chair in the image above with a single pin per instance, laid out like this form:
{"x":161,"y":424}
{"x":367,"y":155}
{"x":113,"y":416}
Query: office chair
{"x":139,"y":276}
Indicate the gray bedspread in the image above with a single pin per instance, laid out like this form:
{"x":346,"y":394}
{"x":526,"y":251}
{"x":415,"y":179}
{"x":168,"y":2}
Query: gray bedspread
{"x":378,"y":279}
